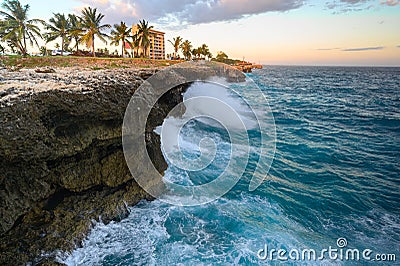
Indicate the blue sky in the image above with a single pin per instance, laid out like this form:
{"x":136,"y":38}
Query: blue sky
{"x":330,"y":32}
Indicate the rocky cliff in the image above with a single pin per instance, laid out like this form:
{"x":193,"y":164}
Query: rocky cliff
{"x":61,"y":159}
{"x":62,"y":165}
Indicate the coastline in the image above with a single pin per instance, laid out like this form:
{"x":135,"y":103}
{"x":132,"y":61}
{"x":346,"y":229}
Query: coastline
{"x":61,"y":158}
{"x":62,"y":165}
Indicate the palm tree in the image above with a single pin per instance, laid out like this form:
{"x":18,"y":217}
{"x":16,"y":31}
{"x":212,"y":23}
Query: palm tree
{"x":186,"y":48}
{"x":144,"y":33}
{"x":204,"y":50}
{"x":209,"y":55}
{"x":59,"y":27}
{"x":135,"y":44}
{"x":91,"y":24}
{"x":43,"y":50}
{"x":120,"y":34}
{"x":76,"y":30}
{"x":176,"y":43}
{"x":196,"y":52}
{"x":11,"y":41}
{"x":2,"y":33}
{"x":221,"y":57}
{"x":18,"y":28}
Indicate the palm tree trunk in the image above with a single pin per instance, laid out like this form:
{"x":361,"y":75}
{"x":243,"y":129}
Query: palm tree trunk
{"x":94,"y":53}
{"x":77,"y":44}
{"x":62,"y":45}
{"x":24,"y":53}
{"x":20,"y":46}
{"x":122,"y":52}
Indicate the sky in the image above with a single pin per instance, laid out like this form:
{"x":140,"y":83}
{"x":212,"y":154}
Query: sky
{"x":276,"y":32}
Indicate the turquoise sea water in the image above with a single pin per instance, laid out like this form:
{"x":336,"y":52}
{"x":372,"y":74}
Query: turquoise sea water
{"x":335,"y":175}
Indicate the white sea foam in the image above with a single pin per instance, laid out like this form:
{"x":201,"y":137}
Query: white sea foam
{"x":134,"y":237}
{"x":202,"y":110}
{"x":222,"y":232}
{"x":223,"y":94}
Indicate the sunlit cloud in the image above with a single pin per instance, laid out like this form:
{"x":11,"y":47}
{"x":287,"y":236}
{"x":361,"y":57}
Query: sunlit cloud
{"x":327,"y":49}
{"x":114,"y":11}
{"x":188,"y":12}
{"x":343,"y":6}
{"x":390,"y":2}
{"x":363,"y":49}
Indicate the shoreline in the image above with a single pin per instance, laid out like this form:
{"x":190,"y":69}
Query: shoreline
{"x":61,"y":159}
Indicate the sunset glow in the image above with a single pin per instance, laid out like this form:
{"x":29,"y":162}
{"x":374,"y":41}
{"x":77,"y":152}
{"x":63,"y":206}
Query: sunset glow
{"x":269,"y":32}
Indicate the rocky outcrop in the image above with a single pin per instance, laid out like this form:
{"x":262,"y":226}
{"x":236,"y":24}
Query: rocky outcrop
{"x":62,"y":164}
{"x":61,"y":159}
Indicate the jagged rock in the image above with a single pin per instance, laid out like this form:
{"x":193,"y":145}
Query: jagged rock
{"x":14,"y":68}
{"x":45,"y":70}
{"x":61,"y":159}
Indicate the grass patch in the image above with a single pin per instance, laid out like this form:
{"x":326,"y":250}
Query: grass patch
{"x":85,"y":62}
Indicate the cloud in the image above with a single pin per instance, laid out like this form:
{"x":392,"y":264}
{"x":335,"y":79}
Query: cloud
{"x":186,"y":12}
{"x":114,"y":11}
{"x":327,"y":49}
{"x":363,"y":49}
{"x":390,"y":2}
{"x":343,"y":6}
{"x":354,"y":1}
{"x":224,"y":10}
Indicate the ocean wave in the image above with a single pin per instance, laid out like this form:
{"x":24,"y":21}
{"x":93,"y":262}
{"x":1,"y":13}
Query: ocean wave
{"x":334,"y":175}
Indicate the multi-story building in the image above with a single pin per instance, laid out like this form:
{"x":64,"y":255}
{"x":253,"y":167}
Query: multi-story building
{"x":156,"y":50}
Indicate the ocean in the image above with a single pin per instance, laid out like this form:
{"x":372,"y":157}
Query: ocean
{"x":333,"y":185}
